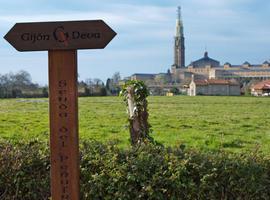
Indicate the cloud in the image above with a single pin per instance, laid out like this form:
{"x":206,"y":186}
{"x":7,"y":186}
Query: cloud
{"x":118,"y":14}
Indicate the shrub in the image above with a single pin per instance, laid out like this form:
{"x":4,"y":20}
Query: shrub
{"x":24,"y":171}
{"x":148,"y":172}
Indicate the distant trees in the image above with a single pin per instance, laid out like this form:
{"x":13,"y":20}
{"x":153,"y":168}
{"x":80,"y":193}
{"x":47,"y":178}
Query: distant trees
{"x":14,"y":85}
{"x":96,"y":87}
{"x":175,"y":90}
{"x":92,"y":87}
{"x":113,"y":84}
{"x":18,"y":84}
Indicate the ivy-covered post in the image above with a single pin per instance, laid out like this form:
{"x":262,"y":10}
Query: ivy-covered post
{"x":135,"y":94}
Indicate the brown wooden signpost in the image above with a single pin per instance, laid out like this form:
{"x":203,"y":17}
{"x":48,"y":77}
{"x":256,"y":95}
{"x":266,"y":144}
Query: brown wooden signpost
{"x":62,"y":39}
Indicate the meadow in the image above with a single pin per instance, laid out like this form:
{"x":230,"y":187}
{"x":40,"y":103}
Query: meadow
{"x":234,"y":124}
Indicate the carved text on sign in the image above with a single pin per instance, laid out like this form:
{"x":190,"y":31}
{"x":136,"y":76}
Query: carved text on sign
{"x":63,"y":134}
{"x":60,"y":35}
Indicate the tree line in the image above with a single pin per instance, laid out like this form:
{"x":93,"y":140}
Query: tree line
{"x":20,"y":85}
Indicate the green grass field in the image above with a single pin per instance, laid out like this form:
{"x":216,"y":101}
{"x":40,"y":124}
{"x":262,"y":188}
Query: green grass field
{"x":233,"y":124}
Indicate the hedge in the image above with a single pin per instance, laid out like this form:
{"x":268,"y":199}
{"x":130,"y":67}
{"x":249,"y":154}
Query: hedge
{"x":147,"y":172}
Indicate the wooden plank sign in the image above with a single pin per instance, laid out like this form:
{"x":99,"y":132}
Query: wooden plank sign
{"x":39,"y":36}
{"x":62,"y":39}
{"x":64,"y":124}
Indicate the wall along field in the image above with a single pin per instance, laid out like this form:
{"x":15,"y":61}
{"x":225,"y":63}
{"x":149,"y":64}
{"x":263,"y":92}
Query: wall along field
{"x":234,"y":124}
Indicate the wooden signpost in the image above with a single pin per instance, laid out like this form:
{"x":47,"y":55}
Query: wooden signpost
{"x":62,"y":39}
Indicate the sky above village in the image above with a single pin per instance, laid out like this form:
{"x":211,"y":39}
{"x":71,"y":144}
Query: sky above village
{"x":232,"y":31}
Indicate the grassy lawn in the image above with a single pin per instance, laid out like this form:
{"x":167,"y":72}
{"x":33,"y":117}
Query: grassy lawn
{"x":210,"y":123}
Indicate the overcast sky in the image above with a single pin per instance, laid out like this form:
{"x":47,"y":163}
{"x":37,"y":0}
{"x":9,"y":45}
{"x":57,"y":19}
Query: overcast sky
{"x":230,"y":30}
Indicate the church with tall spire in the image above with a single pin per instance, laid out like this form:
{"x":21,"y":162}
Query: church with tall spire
{"x":179,"y":42}
{"x":204,"y":68}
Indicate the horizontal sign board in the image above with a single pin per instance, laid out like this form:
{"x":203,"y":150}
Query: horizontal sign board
{"x":40,"y":36}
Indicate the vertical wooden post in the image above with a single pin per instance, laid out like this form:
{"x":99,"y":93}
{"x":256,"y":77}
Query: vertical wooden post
{"x":64,"y":124}
{"x":134,"y":120}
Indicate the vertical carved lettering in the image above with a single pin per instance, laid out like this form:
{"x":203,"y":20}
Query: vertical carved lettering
{"x":63,"y":134}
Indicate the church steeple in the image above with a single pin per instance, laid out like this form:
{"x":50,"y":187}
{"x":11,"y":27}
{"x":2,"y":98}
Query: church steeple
{"x":179,"y":41}
{"x":179,"y":23}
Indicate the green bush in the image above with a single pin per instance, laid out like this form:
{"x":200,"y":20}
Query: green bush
{"x":24,"y":171}
{"x":148,"y":172}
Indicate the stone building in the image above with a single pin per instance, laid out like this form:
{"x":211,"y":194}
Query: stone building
{"x":202,"y":67}
{"x":208,"y":68}
{"x":246,"y":70}
{"x":152,"y":78}
{"x":213,"y":87}
{"x":142,"y":77}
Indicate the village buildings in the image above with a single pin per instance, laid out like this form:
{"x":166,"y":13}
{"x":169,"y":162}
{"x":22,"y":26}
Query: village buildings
{"x":217,"y":87}
{"x":206,"y":71}
{"x":261,"y":89}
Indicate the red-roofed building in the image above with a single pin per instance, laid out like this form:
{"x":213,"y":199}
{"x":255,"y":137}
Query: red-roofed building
{"x":213,"y":87}
{"x":261,"y":88}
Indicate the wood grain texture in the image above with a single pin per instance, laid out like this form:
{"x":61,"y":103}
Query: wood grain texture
{"x":62,"y":35}
{"x":64,"y":124}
